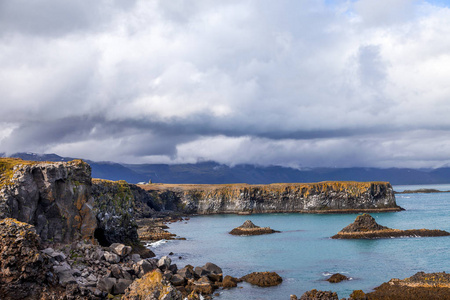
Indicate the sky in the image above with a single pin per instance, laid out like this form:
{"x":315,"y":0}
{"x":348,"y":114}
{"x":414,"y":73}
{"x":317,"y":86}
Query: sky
{"x":304,"y":83}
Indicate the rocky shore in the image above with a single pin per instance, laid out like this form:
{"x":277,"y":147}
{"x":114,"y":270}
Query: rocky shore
{"x":365,"y":227}
{"x":430,"y":286}
{"x":67,"y":236}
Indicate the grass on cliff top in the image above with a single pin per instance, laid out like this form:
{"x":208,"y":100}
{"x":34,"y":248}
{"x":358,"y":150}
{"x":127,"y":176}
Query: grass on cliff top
{"x":7,"y":165}
{"x":336,"y":185}
{"x":7,"y":168}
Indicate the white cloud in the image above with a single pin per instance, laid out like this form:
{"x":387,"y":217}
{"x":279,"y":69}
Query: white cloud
{"x":287,"y":82}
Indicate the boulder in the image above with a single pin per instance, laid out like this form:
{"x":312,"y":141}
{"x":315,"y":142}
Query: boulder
{"x":229,"y":282}
{"x":164,"y":263}
{"x":106,"y":284}
{"x":66,"y":277}
{"x":112,"y":257}
{"x":200,"y":272}
{"x":178,"y":280}
{"x":263,"y":279}
{"x":319,"y":295}
{"x":335,"y":278}
{"x":121,"y":285}
{"x":212,"y":268}
{"x":248,"y":228}
{"x":152,"y":286}
{"x":120,"y":249}
{"x":358,"y":295}
{"x":116,"y":271}
{"x":187,"y":272}
{"x":143,"y":266}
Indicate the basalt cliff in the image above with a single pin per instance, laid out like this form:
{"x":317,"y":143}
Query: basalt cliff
{"x":64,"y":204}
{"x":322,"y":197}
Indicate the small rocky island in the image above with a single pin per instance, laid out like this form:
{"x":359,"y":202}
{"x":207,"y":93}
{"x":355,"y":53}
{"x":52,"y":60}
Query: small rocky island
{"x":365,"y":227}
{"x":248,"y":228}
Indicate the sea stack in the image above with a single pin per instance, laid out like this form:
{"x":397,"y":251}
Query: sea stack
{"x":365,"y":227}
{"x":248,"y":228}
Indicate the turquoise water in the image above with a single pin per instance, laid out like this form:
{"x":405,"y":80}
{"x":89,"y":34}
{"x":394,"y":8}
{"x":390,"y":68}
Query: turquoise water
{"x":304,"y":255}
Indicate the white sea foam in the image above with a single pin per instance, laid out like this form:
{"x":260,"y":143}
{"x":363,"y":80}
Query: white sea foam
{"x":156,"y":244}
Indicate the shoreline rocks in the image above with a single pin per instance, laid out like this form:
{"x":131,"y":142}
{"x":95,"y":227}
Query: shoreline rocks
{"x":248,"y":228}
{"x":365,"y":227}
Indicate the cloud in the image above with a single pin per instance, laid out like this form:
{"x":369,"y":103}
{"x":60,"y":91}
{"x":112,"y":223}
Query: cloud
{"x":308,"y":83}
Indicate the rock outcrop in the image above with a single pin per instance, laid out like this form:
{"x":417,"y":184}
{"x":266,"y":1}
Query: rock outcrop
{"x":322,"y":197}
{"x":263,"y":279}
{"x":430,"y":286}
{"x":336,"y":278}
{"x":64,"y":204}
{"x":23,"y":268}
{"x":365,"y":227}
{"x":248,"y":228}
{"x":114,"y":209}
{"x":55,"y":197}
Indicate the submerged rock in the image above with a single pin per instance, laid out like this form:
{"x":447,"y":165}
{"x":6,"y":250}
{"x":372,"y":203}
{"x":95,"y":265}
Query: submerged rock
{"x":365,"y":227}
{"x":335,"y":278}
{"x":248,"y":228}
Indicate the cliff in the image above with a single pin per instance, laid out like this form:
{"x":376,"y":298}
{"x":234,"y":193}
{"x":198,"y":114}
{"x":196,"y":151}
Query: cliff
{"x":322,"y":197}
{"x":55,"y":197}
{"x":64,"y":204}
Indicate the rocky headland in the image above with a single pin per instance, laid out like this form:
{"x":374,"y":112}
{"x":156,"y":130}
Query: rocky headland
{"x":322,"y":197}
{"x":65,"y":235}
{"x":365,"y":227}
{"x":248,"y":228}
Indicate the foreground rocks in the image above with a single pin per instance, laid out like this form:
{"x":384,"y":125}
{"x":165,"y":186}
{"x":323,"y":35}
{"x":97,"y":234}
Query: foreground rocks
{"x":430,"y":286}
{"x":248,"y":228}
{"x":365,"y":227}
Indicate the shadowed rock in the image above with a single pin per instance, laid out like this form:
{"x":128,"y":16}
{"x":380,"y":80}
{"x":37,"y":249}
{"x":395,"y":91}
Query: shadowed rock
{"x":365,"y":227}
{"x":248,"y":228}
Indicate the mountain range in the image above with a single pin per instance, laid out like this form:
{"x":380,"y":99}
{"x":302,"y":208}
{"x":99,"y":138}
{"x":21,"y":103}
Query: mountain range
{"x":214,"y":173}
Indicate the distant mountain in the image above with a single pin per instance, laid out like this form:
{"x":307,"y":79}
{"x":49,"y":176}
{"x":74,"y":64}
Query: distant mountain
{"x":212,"y":172}
{"x":104,"y":170}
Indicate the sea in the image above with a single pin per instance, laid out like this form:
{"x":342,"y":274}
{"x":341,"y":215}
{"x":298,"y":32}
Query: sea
{"x":303,"y":253}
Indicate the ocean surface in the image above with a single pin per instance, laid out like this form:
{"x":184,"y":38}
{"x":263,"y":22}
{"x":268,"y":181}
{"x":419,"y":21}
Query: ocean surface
{"x":303,"y":253}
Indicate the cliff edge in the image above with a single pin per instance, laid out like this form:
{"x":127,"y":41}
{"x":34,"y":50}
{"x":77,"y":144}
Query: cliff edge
{"x":322,"y":197}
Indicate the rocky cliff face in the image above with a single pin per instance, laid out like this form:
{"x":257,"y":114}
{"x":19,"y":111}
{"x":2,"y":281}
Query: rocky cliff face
{"x":62,"y":202}
{"x":55,"y":197}
{"x":310,"y":197}
{"x":114,"y":207}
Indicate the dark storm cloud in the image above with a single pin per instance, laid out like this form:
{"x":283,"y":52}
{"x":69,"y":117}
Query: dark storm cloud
{"x":298,"y":83}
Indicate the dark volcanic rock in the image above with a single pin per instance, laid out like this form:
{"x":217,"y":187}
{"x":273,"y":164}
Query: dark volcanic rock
{"x":430,"y":286}
{"x":335,"y":278}
{"x":364,"y":222}
{"x":248,"y":228}
{"x":263,"y":279}
{"x":365,"y":227}
{"x":319,"y":295}
{"x":22,"y":267}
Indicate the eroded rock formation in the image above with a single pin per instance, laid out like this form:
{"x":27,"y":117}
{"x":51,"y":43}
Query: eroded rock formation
{"x":365,"y":227}
{"x":248,"y":228}
{"x":322,"y":197}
